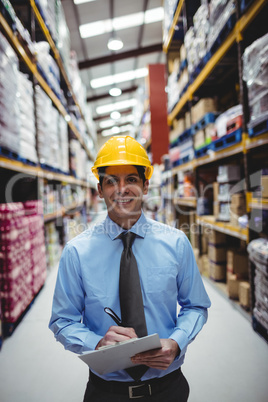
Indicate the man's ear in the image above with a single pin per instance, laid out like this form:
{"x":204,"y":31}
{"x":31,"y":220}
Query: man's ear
{"x":146,"y":187}
{"x":100,"y":191}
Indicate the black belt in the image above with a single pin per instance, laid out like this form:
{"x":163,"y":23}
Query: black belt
{"x":136,"y":389}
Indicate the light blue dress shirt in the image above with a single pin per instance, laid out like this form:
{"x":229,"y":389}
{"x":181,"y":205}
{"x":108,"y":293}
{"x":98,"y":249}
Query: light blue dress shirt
{"x":88,"y":281}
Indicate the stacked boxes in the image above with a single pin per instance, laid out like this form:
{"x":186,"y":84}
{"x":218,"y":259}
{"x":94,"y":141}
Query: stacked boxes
{"x":228,"y":175}
{"x":217,"y":255}
{"x":264,"y":186}
{"x":202,"y":107}
{"x":229,"y":121}
{"x":258,"y":254}
{"x":244,"y":294}
{"x":22,"y":258}
{"x":237,"y":208}
{"x":237,"y":271}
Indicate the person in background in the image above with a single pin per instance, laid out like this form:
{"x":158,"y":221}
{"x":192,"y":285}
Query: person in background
{"x":88,"y":281}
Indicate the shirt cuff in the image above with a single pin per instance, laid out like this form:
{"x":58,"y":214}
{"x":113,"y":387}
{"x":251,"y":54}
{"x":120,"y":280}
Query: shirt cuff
{"x":91,"y":342}
{"x":182,"y":340}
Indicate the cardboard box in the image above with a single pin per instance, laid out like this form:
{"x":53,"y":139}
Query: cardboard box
{"x":204,"y":106}
{"x":204,"y":244}
{"x":215,"y":191}
{"x":237,"y":263}
{"x":217,"y":271}
{"x":238,"y":209}
{"x":179,"y":125}
{"x":233,"y":286}
{"x":203,"y":264}
{"x":199,"y":139}
{"x":216,"y":209}
{"x":244,"y":294}
{"x":234,"y":220}
{"x":182,"y":53}
{"x":264,"y":186}
{"x":216,"y":254}
{"x":238,"y":199}
{"x":188,"y":122}
{"x":193,"y":231}
{"x":216,"y":237}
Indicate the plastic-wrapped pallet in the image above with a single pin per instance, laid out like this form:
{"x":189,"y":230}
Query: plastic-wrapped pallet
{"x":255,"y":74}
{"x":47,"y":8}
{"x":202,"y":27}
{"x":54,"y":139}
{"x":48,"y":66}
{"x":169,"y":11}
{"x":63,"y":35}
{"x":43,"y":113}
{"x":191,"y":45}
{"x":27,"y":119}
{"x":9,"y":110}
{"x":258,"y":254}
{"x":47,"y":130}
{"x":22,"y":258}
{"x":196,"y":37}
{"x":220,"y":12}
{"x":64,"y":145}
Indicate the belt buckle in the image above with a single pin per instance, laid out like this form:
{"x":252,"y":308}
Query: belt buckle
{"x":130,"y":391}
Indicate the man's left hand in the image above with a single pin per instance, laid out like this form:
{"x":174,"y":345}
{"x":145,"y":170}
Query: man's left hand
{"x":158,"y":358}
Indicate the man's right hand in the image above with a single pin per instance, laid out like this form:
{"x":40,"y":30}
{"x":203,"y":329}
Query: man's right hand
{"x":116,"y":334}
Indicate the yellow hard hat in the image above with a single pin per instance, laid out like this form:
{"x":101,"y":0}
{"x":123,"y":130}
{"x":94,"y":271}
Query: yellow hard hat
{"x":122,"y":150}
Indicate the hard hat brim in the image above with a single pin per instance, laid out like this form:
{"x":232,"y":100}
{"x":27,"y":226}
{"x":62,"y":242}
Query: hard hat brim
{"x":148,"y":169}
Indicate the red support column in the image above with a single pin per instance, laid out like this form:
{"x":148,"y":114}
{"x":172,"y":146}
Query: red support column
{"x":158,"y":108}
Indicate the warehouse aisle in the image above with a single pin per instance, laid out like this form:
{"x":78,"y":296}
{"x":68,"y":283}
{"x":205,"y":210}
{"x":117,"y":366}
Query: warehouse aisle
{"x":228,"y":362}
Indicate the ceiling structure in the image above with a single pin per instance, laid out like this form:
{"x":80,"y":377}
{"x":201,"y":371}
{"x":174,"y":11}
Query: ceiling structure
{"x":142,"y":46}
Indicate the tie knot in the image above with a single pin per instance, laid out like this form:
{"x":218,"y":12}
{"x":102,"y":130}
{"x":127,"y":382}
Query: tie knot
{"x":128,"y":239}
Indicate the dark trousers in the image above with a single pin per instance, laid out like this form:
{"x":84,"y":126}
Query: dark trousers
{"x":178,"y":391}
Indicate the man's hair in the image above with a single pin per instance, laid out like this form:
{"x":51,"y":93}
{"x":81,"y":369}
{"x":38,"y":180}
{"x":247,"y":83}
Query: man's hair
{"x":140,"y":170}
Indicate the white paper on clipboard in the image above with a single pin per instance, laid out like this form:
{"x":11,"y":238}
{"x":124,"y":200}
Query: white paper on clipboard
{"x":118,"y":357}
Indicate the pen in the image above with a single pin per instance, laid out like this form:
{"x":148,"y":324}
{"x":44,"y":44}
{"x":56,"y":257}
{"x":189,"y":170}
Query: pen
{"x":114,"y":316}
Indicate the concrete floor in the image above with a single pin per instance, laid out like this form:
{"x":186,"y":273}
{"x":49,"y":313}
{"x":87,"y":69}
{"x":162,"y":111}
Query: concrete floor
{"x":228,"y":361}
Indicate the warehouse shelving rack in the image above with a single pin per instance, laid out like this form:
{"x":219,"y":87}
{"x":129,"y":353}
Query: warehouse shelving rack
{"x":32,"y":174}
{"x":244,"y":152}
{"x":20,"y":50}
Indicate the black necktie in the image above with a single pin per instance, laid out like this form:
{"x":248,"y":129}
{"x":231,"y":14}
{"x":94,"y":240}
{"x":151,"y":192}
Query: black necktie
{"x":132,"y":311}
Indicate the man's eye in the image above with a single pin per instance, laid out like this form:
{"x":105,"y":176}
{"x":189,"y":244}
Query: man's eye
{"x":110,"y":182}
{"x":132,"y":179}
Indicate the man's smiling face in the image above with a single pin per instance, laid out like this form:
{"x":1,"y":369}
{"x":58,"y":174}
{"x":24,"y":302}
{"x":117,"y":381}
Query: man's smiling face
{"x":122,"y":190}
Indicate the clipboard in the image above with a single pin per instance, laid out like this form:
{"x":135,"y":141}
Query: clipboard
{"x":118,"y":357}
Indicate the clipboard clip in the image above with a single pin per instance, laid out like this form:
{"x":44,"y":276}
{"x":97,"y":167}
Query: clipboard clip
{"x":113,"y":315}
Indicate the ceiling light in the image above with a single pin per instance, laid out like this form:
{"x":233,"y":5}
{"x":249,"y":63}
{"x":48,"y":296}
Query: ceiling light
{"x":115,"y":44}
{"x":116,"y":106}
{"x":109,"y":123}
{"x":115,"y":91}
{"x":115,"y":115}
{"x":126,"y":21}
{"x":116,"y":130}
{"x":82,"y":1}
{"x":121,"y":77}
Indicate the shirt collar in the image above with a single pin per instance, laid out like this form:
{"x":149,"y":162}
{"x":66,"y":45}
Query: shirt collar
{"x":113,"y":230}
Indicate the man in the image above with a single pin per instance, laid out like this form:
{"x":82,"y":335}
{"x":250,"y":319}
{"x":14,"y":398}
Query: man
{"x":89,"y":279}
